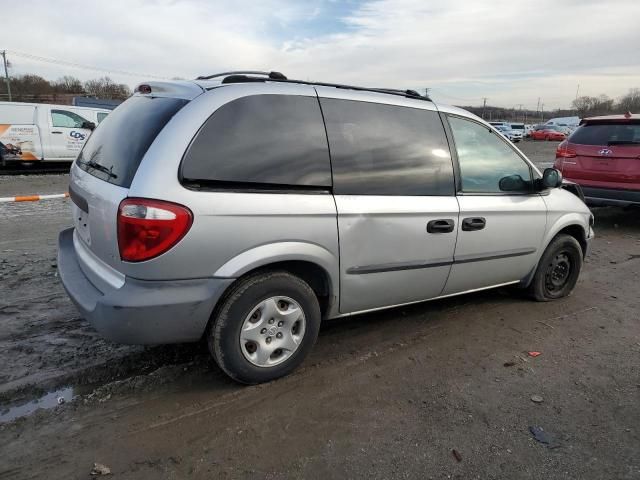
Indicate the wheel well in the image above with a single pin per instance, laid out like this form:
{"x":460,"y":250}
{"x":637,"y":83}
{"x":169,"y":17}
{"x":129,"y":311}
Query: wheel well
{"x":313,"y":274}
{"x":577,"y":232}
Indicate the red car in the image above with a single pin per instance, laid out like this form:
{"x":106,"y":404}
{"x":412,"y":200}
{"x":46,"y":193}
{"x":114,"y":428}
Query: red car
{"x":548,"y":132}
{"x":603,"y":157}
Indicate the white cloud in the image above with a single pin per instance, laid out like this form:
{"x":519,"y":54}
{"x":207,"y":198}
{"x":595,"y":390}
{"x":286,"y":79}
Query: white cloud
{"x":510,"y":51}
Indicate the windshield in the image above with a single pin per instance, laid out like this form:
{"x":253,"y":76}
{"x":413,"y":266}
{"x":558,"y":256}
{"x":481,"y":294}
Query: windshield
{"x":515,"y":126}
{"x":607,"y":134}
{"x":116,"y":147}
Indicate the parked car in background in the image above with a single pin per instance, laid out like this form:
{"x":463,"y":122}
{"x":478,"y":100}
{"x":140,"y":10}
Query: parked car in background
{"x":506,"y":131}
{"x":44,"y":132}
{"x":548,"y":132}
{"x":518,"y":130}
{"x":244,"y":211}
{"x":603,"y":157}
{"x":528,"y":129}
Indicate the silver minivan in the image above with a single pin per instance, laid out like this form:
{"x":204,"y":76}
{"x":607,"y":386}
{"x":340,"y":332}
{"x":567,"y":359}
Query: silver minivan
{"x":245,"y":208}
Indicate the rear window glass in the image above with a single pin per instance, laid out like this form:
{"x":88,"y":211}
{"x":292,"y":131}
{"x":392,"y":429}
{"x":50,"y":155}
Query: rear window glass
{"x":607,"y":134}
{"x":263,"y":140}
{"x":116,"y":147}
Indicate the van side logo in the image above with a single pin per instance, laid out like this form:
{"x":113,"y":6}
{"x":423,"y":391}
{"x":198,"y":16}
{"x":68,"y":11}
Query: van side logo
{"x":605,"y":152}
{"x":77,"y":135}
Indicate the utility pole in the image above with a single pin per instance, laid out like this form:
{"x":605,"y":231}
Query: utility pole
{"x":426,"y":92}
{"x":484,"y":105}
{"x":542,"y":112}
{"x":577,"y":90}
{"x":6,"y":73}
{"x":520,"y":110}
{"x":538,"y":108}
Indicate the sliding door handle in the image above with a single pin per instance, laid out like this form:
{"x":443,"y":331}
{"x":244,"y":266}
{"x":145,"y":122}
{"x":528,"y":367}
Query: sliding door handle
{"x":444,"y":225}
{"x":473,"y":223}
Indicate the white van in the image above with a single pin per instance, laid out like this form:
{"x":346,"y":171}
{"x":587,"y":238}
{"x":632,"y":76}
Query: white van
{"x":43,"y":132}
{"x":568,"y":123}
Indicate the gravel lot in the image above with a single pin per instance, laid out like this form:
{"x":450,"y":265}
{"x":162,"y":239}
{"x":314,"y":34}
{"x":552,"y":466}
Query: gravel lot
{"x":385,"y":395}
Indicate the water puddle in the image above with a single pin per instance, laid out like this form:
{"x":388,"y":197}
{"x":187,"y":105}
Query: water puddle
{"x":47,"y":401}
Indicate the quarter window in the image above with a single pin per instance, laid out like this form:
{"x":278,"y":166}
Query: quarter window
{"x":484,"y":157}
{"x":66,"y":119}
{"x":102,"y":116}
{"x":381,"y":149}
{"x":263,"y":140}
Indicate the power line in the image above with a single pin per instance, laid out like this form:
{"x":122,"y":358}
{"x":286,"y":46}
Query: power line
{"x":82,"y":66}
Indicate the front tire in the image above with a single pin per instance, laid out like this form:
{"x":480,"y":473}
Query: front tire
{"x":265,"y":327}
{"x":558,"y":269}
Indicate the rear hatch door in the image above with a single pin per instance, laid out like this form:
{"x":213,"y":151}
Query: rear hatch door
{"x":102,"y":174}
{"x":606,"y":154}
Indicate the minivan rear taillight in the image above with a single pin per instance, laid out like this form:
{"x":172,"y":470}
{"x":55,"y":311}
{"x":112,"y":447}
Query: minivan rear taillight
{"x":148,"y":228}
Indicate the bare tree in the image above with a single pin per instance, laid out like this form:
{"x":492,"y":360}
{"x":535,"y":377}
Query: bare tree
{"x":106,"y":88}
{"x":68,"y":84}
{"x":631,"y":101}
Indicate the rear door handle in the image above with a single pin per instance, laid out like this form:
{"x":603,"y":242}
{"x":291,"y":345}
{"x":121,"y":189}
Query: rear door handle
{"x":473,"y":223}
{"x":444,"y":225}
{"x":56,"y":132}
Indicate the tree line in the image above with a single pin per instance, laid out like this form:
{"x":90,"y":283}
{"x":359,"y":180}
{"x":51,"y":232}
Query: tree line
{"x":34,"y":88}
{"x":585,"y":106}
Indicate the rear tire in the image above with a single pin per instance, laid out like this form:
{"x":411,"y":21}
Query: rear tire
{"x":558,"y":270}
{"x":265,"y":327}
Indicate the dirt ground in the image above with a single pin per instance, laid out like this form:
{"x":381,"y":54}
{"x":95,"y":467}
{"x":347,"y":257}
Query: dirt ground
{"x":385,"y":395}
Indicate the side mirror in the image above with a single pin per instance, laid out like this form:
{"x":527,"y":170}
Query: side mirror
{"x":88,"y":125}
{"x":513,"y":183}
{"x":551,"y":178}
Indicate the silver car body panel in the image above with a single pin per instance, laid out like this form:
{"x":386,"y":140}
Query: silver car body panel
{"x":375,"y":250}
{"x":505,"y":249}
{"x":384,"y":242}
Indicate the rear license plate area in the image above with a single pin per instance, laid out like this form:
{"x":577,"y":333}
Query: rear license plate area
{"x":81,"y":222}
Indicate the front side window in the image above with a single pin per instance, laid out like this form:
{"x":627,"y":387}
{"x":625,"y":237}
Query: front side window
{"x":66,"y":119}
{"x":484,"y":157}
{"x":262,"y":140}
{"x":381,"y":149}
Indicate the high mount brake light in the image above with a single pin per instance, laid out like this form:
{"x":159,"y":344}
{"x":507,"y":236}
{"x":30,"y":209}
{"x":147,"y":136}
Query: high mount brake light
{"x":148,"y":228}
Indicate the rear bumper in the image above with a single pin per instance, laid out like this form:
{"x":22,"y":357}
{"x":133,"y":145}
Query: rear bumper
{"x":611,"y":196}
{"x":140,"y":312}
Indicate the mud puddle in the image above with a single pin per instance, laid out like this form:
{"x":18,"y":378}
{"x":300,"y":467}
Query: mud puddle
{"x":46,"y":402}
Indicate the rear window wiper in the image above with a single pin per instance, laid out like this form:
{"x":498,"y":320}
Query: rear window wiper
{"x":623,"y":142}
{"x":99,"y":167}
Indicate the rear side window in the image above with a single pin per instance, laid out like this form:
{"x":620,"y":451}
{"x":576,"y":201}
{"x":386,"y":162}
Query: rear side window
{"x":607,"y":134}
{"x":116,"y":147}
{"x":387,"y":150}
{"x":262,"y":140}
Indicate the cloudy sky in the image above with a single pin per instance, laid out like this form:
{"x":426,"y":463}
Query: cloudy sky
{"x":510,"y":51}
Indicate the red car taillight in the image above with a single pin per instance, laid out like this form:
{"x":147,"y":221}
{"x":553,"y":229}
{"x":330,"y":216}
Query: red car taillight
{"x":564,"y":151}
{"x":148,"y":228}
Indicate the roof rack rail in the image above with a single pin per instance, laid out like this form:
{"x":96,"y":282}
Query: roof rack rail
{"x":390,"y":91}
{"x":245,"y":76}
{"x":270,"y":75}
